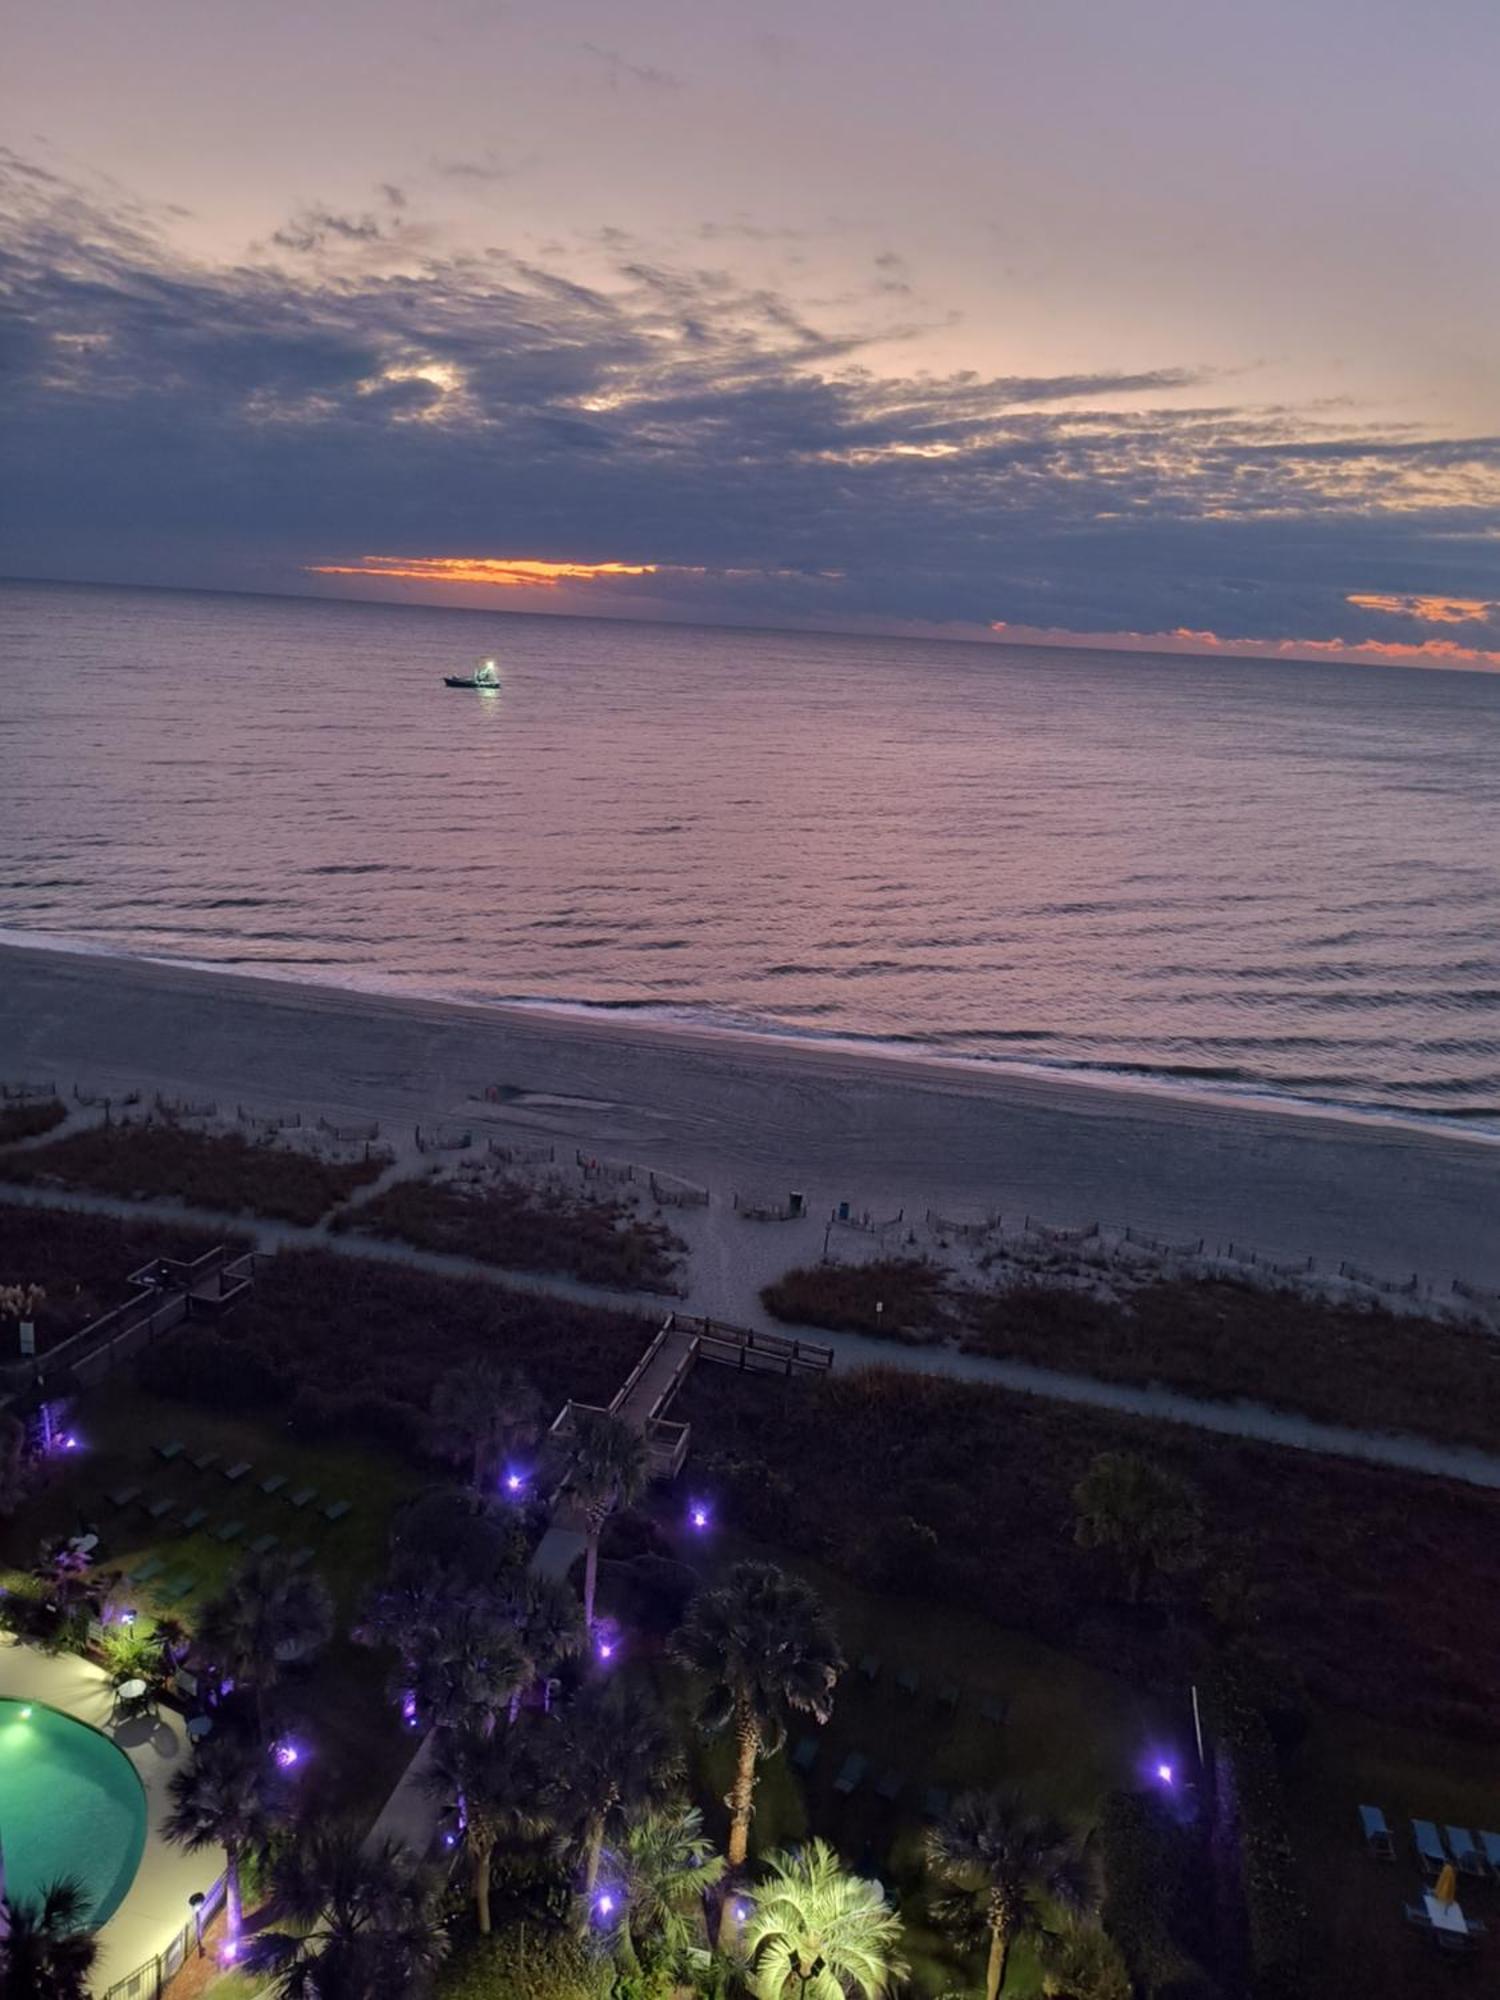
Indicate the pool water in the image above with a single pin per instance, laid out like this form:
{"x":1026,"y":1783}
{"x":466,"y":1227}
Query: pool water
{"x":70,"y":1804}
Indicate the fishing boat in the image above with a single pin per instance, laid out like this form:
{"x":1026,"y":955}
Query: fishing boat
{"x":483,"y":676}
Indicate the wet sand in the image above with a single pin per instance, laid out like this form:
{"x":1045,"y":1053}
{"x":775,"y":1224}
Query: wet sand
{"x":763,"y":1116}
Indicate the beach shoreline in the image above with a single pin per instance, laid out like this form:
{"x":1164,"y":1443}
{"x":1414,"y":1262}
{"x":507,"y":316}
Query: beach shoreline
{"x":758,"y":1116}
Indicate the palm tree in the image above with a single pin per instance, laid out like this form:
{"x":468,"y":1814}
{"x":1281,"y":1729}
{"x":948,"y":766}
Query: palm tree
{"x":608,"y":1469}
{"x":266,"y":1617}
{"x":616,"y":1753}
{"x":47,"y":1949}
{"x":764,"y":1648}
{"x":481,"y":1415}
{"x":226,"y":1798}
{"x":665,"y":1866}
{"x":492,"y":1782}
{"x":362,"y":1924}
{"x":544,"y":1620}
{"x":999,"y":1864}
{"x":465,"y":1667}
{"x":819,"y":1933}
{"x":1147,"y":1517}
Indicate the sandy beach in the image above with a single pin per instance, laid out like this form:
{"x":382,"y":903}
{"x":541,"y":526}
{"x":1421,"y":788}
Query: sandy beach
{"x":764,"y":1117}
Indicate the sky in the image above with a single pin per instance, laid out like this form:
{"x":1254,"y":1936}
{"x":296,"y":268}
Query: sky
{"x":1166,"y":324}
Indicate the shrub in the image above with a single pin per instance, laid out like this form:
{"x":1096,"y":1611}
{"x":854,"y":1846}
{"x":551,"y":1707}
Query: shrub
{"x":527,"y":1961}
{"x":844,"y":1296}
{"x":211,"y":1370}
{"x":29,"y":1121}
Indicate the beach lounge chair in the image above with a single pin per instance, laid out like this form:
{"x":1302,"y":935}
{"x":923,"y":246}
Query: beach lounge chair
{"x":298,"y":1558}
{"x":185,"y":1686}
{"x":851,"y":1773}
{"x":1377,"y":1833}
{"x":229,"y":1531}
{"x":805,"y":1755}
{"x":993,"y":1710}
{"x":908,"y":1681}
{"x":869,"y":1666}
{"x":1430,"y":1849}
{"x":263,"y":1544}
{"x":947,"y":1696}
{"x":302,"y":1496}
{"x":274,"y":1484}
{"x":177,"y":1586}
{"x":143,"y":1573}
{"x":338,"y":1510}
{"x":1465,"y":1850}
{"x":1417,"y":1917}
{"x":157,"y":1506}
{"x":205,"y":1461}
{"x":194,"y":1518}
{"x":123,"y":1495}
{"x":935,"y":1802}
{"x":1490,"y":1843}
{"x":236,"y":1472}
{"x":889,"y":1788}
{"x":174,"y":1448}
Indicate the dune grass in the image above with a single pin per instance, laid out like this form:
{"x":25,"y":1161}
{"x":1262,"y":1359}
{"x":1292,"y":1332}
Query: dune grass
{"x":214,"y":1170}
{"x":30,"y":1121}
{"x":524,"y":1228}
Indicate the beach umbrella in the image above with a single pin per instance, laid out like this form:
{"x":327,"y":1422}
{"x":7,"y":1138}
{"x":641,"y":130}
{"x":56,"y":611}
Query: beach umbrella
{"x":1446,"y":1890}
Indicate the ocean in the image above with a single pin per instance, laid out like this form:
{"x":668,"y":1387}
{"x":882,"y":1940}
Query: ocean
{"x":1233,"y":875}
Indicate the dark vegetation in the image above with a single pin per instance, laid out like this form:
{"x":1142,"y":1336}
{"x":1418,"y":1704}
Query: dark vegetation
{"x":1370,"y":1589}
{"x":524,"y":1228}
{"x":1341,"y":1363}
{"x":218,"y":1170}
{"x":29,"y":1121}
{"x":350,"y":1347}
{"x":82,"y":1261}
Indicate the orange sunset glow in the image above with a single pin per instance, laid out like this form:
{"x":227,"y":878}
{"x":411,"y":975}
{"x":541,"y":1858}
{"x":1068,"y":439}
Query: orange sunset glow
{"x":496,"y":572}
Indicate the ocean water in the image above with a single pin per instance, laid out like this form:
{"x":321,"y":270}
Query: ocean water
{"x":1203,"y":874}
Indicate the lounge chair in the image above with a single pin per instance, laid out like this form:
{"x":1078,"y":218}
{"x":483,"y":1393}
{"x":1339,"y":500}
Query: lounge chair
{"x":263,"y":1544}
{"x":274,"y":1484}
{"x":194,"y":1518}
{"x":1418,"y":1917}
{"x":869,"y":1666}
{"x":174,"y":1448}
{"x":156,"y":1506}
{"x":935,"y":1802}
{"x":993,"y":1710}
{"x":143,"y":1573}
{"x":123,"y":1495}
{"x":947,"y":1696}
{"x":1477,"y":1928}
{"x":889,"y":1787}
{"x":1377,"y":1833}
{"x":205,"y":1461}
{"x":298,"y":1558}
{"x":180,"y":1585}
{"x":851,"y":1773}
{"x":1490,"y":1842}
{"x":234,"y":1473}
{"x":1465,"y":1850}
{"x":338,"y":1510}
{"x":805,"y":1755}
{"x":1430,"y":1849}
{"x":302,"y":1496}
{"x":229,"y":1531}
{"x":908,"y":1681}
{"x":1456,"y":1942}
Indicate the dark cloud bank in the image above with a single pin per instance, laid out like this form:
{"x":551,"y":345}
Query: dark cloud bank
{"x":186,"y":424}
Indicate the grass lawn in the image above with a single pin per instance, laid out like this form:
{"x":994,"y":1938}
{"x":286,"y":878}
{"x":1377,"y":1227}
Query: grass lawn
{"x":1365,"y":1949}
{"x":359,"y":1746}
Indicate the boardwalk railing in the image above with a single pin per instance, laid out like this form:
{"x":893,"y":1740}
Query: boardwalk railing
{"x":763,"y":1353}
{"x":150,"y":1980}
{"x":166,"y":1292}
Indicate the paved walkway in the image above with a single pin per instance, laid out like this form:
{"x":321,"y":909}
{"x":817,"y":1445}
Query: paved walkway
{"x":1226,"y":1419}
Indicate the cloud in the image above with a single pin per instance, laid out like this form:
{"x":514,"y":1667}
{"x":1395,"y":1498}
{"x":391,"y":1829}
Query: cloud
{"x":488,"y":167}
{"x":620,"y":69}
{"x":762,"y":460}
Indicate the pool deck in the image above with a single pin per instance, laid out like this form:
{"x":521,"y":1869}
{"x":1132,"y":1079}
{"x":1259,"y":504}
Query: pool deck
{"x":156,"y":1906}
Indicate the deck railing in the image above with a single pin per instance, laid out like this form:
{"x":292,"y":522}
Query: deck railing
{"x":152,"y":1978}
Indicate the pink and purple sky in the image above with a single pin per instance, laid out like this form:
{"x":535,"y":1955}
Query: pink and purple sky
{"x":1170,"y":324}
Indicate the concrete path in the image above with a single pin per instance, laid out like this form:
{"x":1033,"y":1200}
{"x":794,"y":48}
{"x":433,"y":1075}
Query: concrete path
{"x":1227,"y":1419}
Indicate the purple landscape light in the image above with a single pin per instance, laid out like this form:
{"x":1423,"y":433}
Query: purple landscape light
{"x":605,"y":1904}
{"x":698,"y":1515}
{"x":1164,"y":1772}
{"x":514,"y":1481}
{"x":287,"y":1754}
{"x":606,"y":1649}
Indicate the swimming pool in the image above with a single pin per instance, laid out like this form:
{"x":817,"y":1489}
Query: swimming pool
{"x":70,"y":1804}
